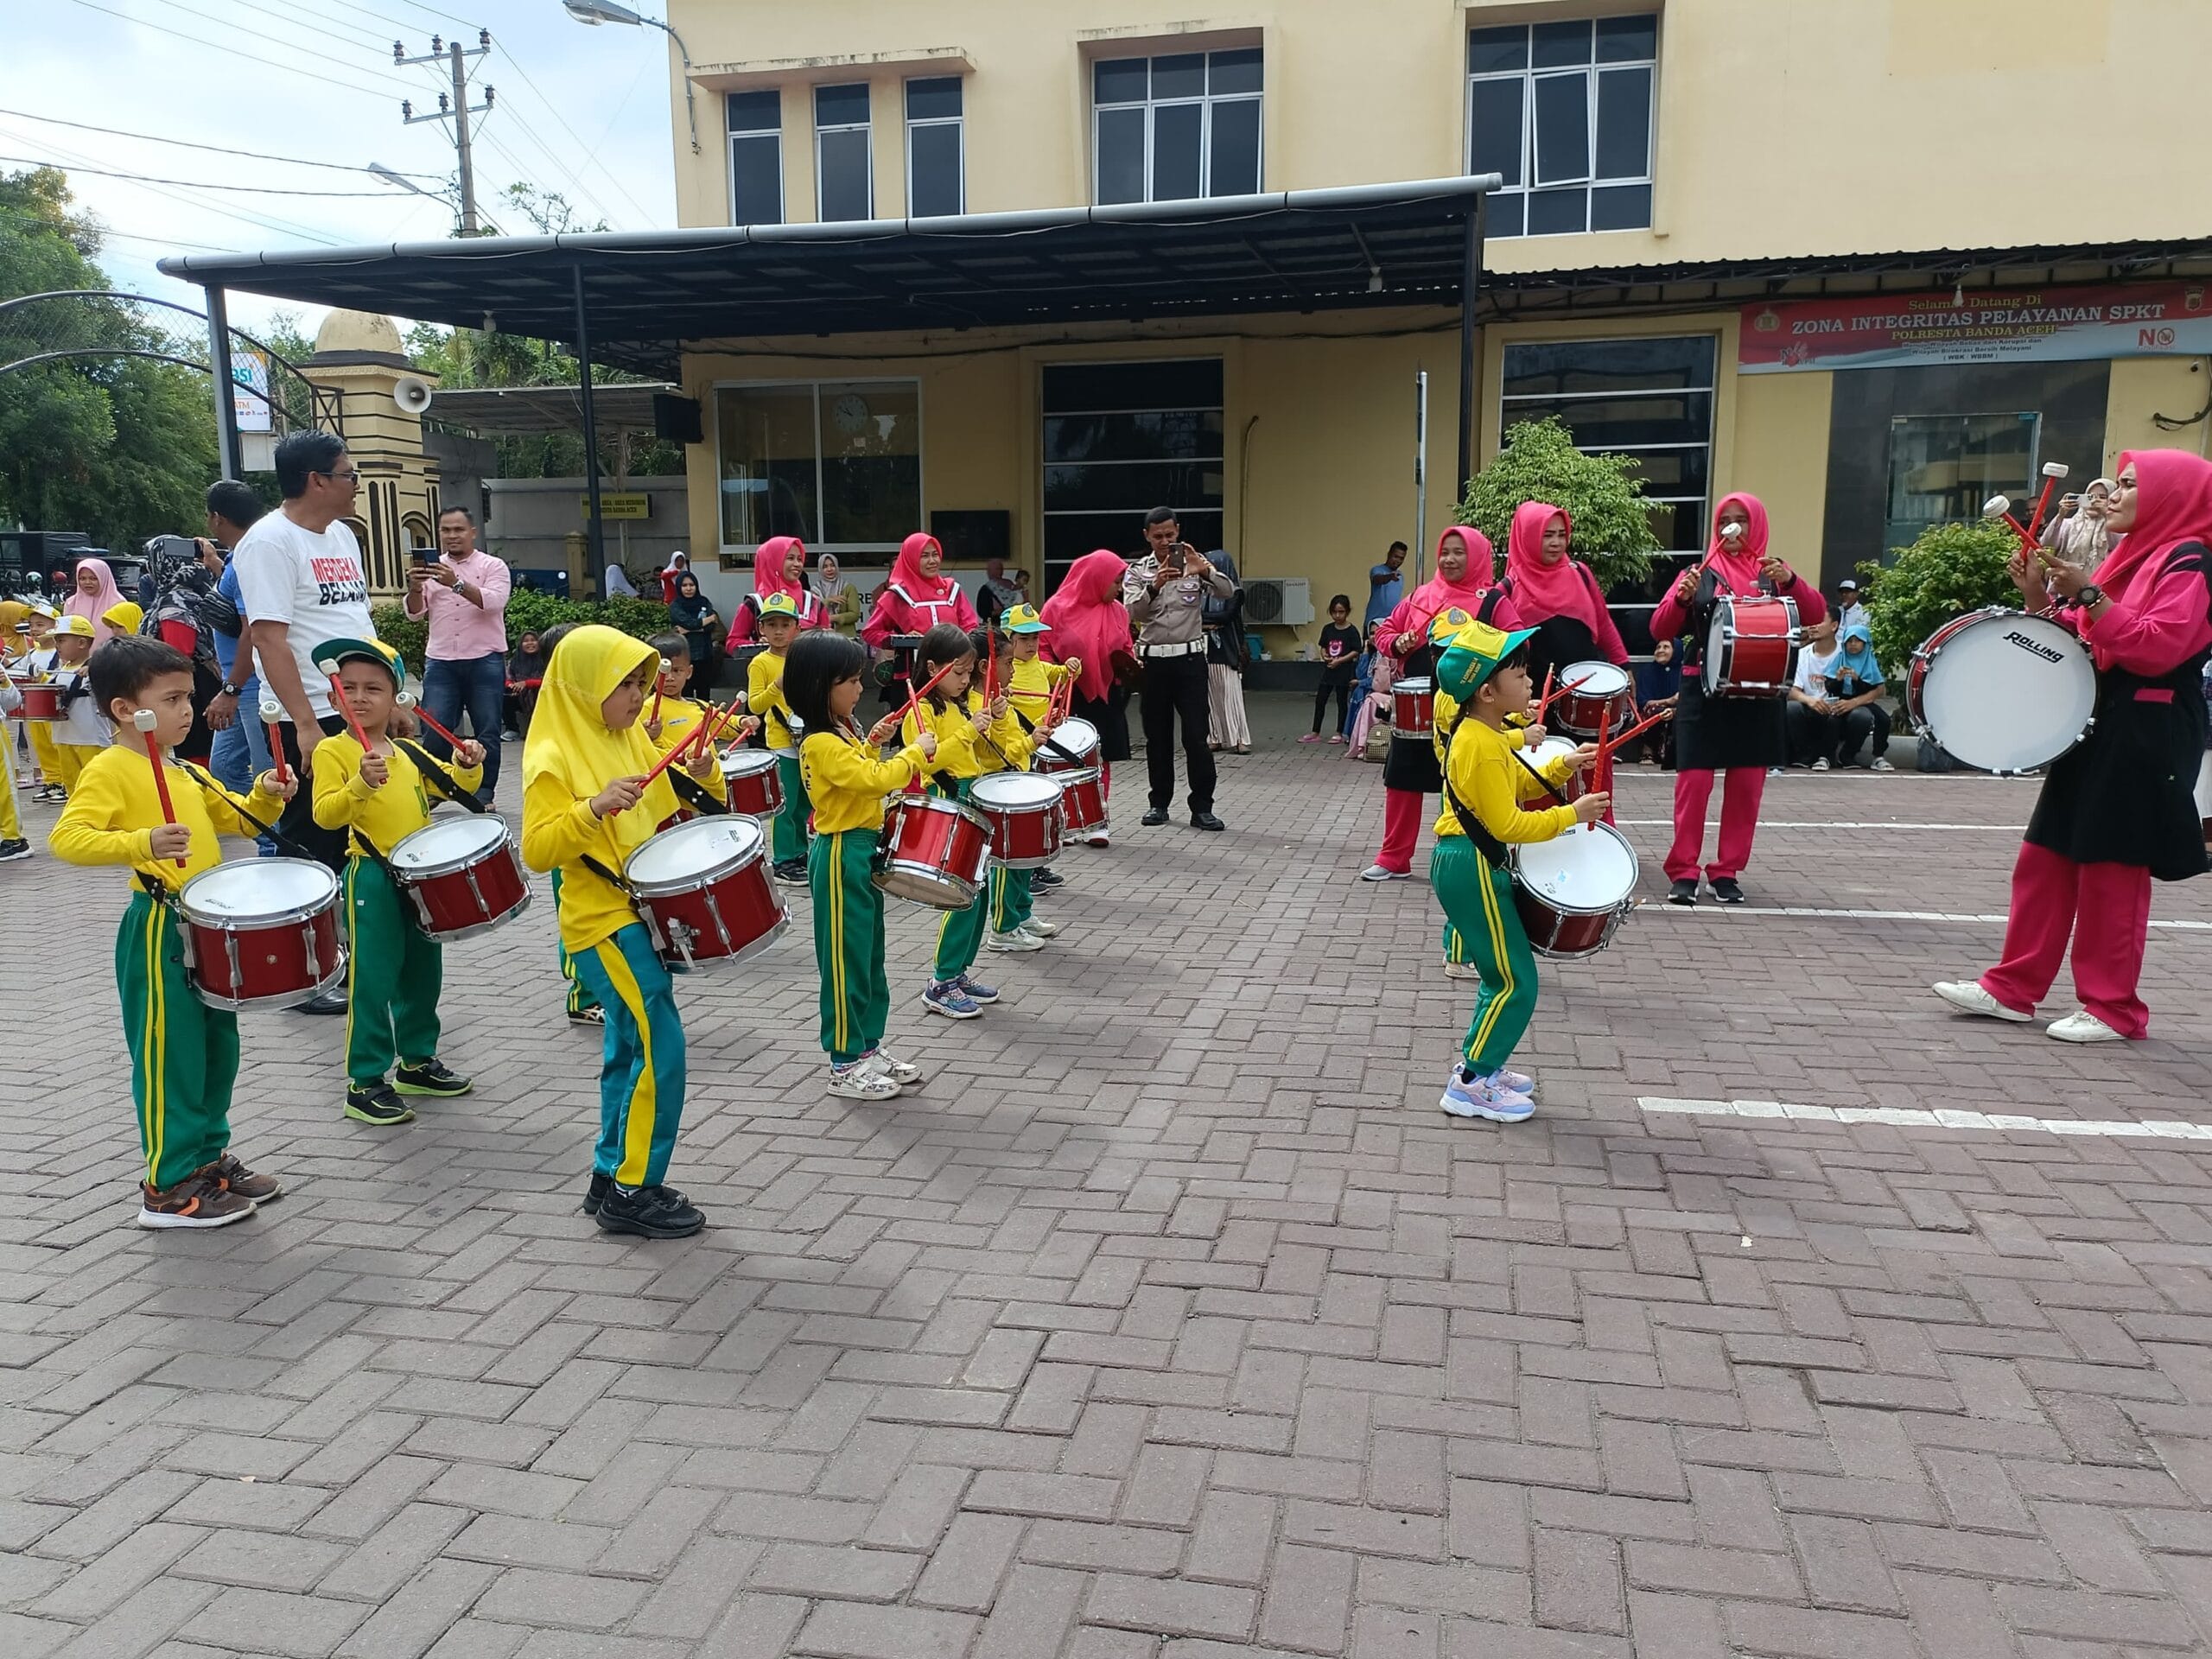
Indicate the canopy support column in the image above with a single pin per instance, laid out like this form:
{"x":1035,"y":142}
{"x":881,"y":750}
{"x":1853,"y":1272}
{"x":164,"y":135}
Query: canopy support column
{"x":594,"y":529}
{"x":230,"y":461}
{"x":1470,"y":275}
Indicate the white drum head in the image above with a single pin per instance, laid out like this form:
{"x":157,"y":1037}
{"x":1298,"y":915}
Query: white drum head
{"x":1590,"y":870}
{"x":1551,"y":749}
{"x":1594,"y":679}
{"x":1420,"y":686}
{"x":742,"y":763}
{"x":696,"y":849}
{"x":257,"y":888}
{"x":1716,"y":646}
{"x":1014,"y":789}
{"x":2009,"y":693}
{"x":1077,"y":735}
{"x":449,"y":841}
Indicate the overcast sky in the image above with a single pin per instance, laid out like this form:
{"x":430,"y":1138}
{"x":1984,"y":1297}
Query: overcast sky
{"x":579,"y":110}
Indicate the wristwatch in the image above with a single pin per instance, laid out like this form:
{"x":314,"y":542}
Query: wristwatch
{"x":2090,"y":595}
{"x":230,"y":690}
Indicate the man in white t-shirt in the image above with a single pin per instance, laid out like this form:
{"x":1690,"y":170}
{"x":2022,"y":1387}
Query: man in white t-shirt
{"x":301,"y":578}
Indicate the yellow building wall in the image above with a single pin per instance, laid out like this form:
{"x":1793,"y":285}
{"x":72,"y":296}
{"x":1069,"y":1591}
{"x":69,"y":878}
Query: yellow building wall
{"x":2177,"y":387}
{"x":1781,"y":456}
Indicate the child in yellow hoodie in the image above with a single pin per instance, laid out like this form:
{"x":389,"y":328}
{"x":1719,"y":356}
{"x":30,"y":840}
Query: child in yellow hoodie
{"x":764,"y":675}
{"x":184,"y":1054}
{"x":586,"y":808}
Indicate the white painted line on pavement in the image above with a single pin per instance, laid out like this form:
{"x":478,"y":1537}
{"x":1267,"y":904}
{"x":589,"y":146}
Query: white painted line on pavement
{"x":2167,"y":1128}
{"x":1708,"y":908}
{"x":1786,"y":823}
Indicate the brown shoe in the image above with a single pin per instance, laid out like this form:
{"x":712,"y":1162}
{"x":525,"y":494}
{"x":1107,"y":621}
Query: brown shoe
{"x":235,"y":1176}
{"x":198,"y":1200}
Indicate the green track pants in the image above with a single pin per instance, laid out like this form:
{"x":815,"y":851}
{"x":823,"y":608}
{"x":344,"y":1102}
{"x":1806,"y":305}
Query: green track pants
{"x":641,"y":1063}
{"x":391,"y":999}
{"x":184,"y":1055}
{"x":790,"y":831}
{"x":848,"y":943}
{"x":1478,"y":898}
{"x":580,"y":996}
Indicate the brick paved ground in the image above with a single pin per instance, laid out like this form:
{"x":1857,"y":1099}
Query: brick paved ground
{"x":1172,"y":1317}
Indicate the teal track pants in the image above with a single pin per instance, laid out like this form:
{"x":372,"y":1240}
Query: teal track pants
{"x":848,"y":943}
{"x":580,"y":997}
{"x":184,"y":1055}
{"x":790,"y":822}
{"x":641,"y":1065}
{"x":392,"y":998}
{"x":1478,"y":899}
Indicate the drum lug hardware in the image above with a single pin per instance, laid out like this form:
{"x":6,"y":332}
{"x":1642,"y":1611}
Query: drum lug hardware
{"x":476,"y":893}
{"x":231,"y":955}
{"x":680,"y":935}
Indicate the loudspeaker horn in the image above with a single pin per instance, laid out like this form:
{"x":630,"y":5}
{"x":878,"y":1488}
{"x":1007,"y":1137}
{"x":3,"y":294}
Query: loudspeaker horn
{"x":412,"y":394}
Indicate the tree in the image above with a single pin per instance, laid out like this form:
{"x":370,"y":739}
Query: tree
{"x":1948,"y":570}
{"x":1601,"y":493}
{"x":120,"y":447}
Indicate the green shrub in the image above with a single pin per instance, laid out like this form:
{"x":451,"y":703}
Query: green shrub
{"x":1601,"y":493}
{"x":1950,"y":570}
{"x":527,"y":613}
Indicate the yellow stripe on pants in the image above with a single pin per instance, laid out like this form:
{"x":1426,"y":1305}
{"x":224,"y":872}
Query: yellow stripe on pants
{"x":638,"y":1117}
{"x":1501,"y":956}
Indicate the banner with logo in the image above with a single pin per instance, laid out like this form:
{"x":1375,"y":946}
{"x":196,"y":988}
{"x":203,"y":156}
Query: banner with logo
{"x":2023,"y":325}
{"x":249,"y":390}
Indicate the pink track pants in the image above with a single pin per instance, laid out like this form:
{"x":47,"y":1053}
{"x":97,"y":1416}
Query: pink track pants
{"x":1739,"y":821}
{"x":2106,"y":910}
{"x":1402,"y":812}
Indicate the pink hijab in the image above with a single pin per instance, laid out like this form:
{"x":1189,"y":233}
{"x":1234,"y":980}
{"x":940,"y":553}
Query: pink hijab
{"x":768,"y":570}
{"x":1736,"y":561}
{"x":2173,"y":504}
{"x":99,"y":604}
{"x":906,"y":569}
{"x":1436,"y":595}
{"x":1088,"y":621}
{"x":1541,"y":591}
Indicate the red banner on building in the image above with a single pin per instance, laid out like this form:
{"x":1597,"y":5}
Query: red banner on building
{"x":2027,"y":325}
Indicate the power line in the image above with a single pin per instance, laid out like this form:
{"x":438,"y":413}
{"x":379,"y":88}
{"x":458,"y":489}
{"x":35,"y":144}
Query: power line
{"x":185,"y":184}
{"x":285,"y":227}
{"x":233,"y":51}
{"x":581,"y":147}
{"x":219,"y":149}
{"x":278,"y":40}
{"x":104,"y":231}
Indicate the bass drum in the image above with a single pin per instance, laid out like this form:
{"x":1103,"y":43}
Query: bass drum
{"x":2003,"y":692}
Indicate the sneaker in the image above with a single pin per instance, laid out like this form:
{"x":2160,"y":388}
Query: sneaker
{"x":1096,"y":838}
{"x":198,"y":1200}
{"x":1336,"y":737}
{"x":1682,"y":892}
{"x":1151,"y":820}
{"x":1038,"y":928}
{"x":1013,"y":940}
{"x":901,"y":1072}
{"x":1881,"y":764}
{"x":859,"y":1082}
{"x":2082,"y":1027}
{"x":593,"y":1015}
{"x":431,"y":1077}
{"x":1519,"y":1082}
{"x":792,"y":872}
{"x":1310,"y":737}
{"x":379,"y":1106}
{"x":12,"y":850}
{"x":976,"y":991}
{"x":1774,"y":771}
{"x":951,"y":1001}
{"x":1047,"y":878}
{"x":1967,"y":997}
{"x":330,"y":1001}
{"x":1384,"y":872}
{"x":1461,"y":970}
{"x":1727,"y":890}
{"x":235,"y":1176}
{"x":1484,"y":1098}
{"x":648,"y":1212}
{"x":595,"y":1192}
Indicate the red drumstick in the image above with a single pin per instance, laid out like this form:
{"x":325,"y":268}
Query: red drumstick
{"x":928,"y":686}
{"x":270,"y":714}
{"x":1543,"y":700}
{"x":1639,"y":729}
{"x":2052,"y":472}
{"x":145,"y":719}
{"x":1551,"y":696}
{"x":654,"y":717}
{"x":337,"y":701}
{"x":425,"y":716}
{"x":1604,"y":776}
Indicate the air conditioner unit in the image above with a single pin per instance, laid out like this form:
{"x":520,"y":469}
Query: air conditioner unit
{"x":1278,"y":601}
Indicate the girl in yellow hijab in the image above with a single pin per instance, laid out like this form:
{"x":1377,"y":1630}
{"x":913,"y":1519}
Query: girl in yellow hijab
{"x":584,"y":799}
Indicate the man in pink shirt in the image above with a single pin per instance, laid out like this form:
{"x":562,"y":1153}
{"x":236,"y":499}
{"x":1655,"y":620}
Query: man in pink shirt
{"x":463,"y":594}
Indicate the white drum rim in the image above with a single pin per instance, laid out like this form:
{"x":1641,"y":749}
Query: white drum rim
{"x":939,"y":803}
{"x":1414,"y":685}
{"x":1595,"y":678}
{"x":1959,"y":628}
{"x":261,"y":869}
{"x":1021,"y":784}
{"x":699,"y":829}
{"x":740,"y":763}
{"x":415,"y":866}
{"x":1552,"y":900}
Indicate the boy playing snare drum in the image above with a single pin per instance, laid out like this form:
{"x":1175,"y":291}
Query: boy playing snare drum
{"x":184,"y":1055}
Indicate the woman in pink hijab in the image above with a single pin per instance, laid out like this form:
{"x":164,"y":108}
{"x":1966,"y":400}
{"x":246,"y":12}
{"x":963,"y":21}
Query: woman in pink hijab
{"x":1741,"y":736}
{"x":2116,"y":811}
{"x":1463,"y":581}
{"x":96,"y":594}
{"x":1556,"y":595}
{"x":1090,"y":624}
{"x":780,"y":567}
{"x":919,"y":596}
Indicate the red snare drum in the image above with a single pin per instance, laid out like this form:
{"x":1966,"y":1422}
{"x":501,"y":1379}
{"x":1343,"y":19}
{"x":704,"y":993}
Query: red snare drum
{"x":1413,"y":708}
{"x":756,"y":788}
{"x":934,"y":851}
{"x":1591,"y":695}
{"x":1082,"y":802}
{"x":702,"y":890}
{"x":1751,"y":651}
{"x":1073,"y":746}
{"x":1550,"y":750}
{"x":261,"y":932}
{"x":1023,"y":809}
{"x":41,"y":700}
{"x":1573,"y":891}
{"x":464,"y":876}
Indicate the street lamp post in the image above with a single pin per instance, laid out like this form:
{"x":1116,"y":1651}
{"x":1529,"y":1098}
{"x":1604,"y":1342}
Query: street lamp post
{"x":596,"y":12}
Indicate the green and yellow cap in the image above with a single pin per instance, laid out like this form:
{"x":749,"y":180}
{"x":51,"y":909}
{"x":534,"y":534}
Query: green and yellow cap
{"x":1024,"y":619}
{"x":1472,"y":654}
{"x":332,"y":653}
{"x":779,"y":605}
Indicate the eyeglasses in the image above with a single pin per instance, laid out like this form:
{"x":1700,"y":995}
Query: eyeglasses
{"x":350,"y":475}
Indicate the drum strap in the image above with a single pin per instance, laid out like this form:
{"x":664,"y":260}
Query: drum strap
{"x":1486,"y":843}
{"x":238,"y":807}
{"x":603,"y":873}
{"x":435,"y":774}
{"x":694,"y":794}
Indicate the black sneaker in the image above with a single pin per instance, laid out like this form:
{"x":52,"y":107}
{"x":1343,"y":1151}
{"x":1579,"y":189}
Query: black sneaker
{"x":1154,"y":818}
{"x":12,"y":850}
{"x":1683,"y":892}
{"x":431,"y":1077}
{"x":1046,"y":877}
{"x":593,"y":1016}
{"x":379,"y":1106}
{"x":648,"y":1212}
{"x":1725,"y":888}
{"x":792,"y":872}
{"x":596,"y":1191}
{"x":330,"y":1001}
{"x":1207,"y":821}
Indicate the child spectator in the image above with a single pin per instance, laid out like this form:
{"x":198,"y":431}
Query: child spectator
{"x":1339,"y":662}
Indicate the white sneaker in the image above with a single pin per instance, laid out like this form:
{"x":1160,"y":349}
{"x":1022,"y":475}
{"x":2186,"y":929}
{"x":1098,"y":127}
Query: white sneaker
{"x":1014,"y":940}
{"x":857,"y":1082}
{"x":1096,"y":838}
{"x":1038,"y":927}
{"x":1968,"y":996}
{"x":884,"y":1063}
{"x":1821,"y":765}
{"x":1461,"y":970}
{"x":2082,"y":1027}
{"x":1377,"y":872}
{"x":1881,"y":764}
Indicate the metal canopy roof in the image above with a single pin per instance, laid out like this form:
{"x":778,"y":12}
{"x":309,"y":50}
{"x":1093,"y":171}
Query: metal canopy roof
{"x":527,"y":411}
{"x":648,"y":291}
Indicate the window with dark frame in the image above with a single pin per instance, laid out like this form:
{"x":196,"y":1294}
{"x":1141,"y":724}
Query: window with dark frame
{"x":936,"y":186}
{"x":1176,"y":127}
{"x":756,"y":156}
{"x":1121,"y":438}
{"x":844,"y":185}
{"x":837,"y":463}
{"x":1564,"y":112}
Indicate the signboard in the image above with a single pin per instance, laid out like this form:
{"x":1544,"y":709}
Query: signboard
{"x":249,"y":390}
{"x":614,"y":504}
{"x":2023,"y":325}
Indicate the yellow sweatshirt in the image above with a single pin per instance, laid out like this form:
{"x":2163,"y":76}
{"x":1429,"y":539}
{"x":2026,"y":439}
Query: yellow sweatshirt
{"x":960,"y":750}
{"x":1030,"y":685}
{"x":847,"y":783}
{"x":115,"y":809}
{"x":679,"y":724}
{"x":1482,"y":771}
{"x":384,"y":816}
{"x":764,"y":695}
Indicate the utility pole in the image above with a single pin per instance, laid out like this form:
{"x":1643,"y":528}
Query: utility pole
{"x":453,"y":106}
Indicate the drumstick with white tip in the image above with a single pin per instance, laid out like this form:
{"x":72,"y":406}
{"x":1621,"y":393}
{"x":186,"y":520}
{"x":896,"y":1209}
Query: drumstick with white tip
{"x":145,"y":719}
{"x":338,"y":701}
{"x":2052,"y":472}
{"x":665,"y":666}
{"x":2000,"y":506}
{"x":271,"y":712}
{"x":406,"y":700}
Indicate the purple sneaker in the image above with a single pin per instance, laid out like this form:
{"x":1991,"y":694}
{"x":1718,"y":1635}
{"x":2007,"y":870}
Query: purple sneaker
{"x":1486,"y":1097}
